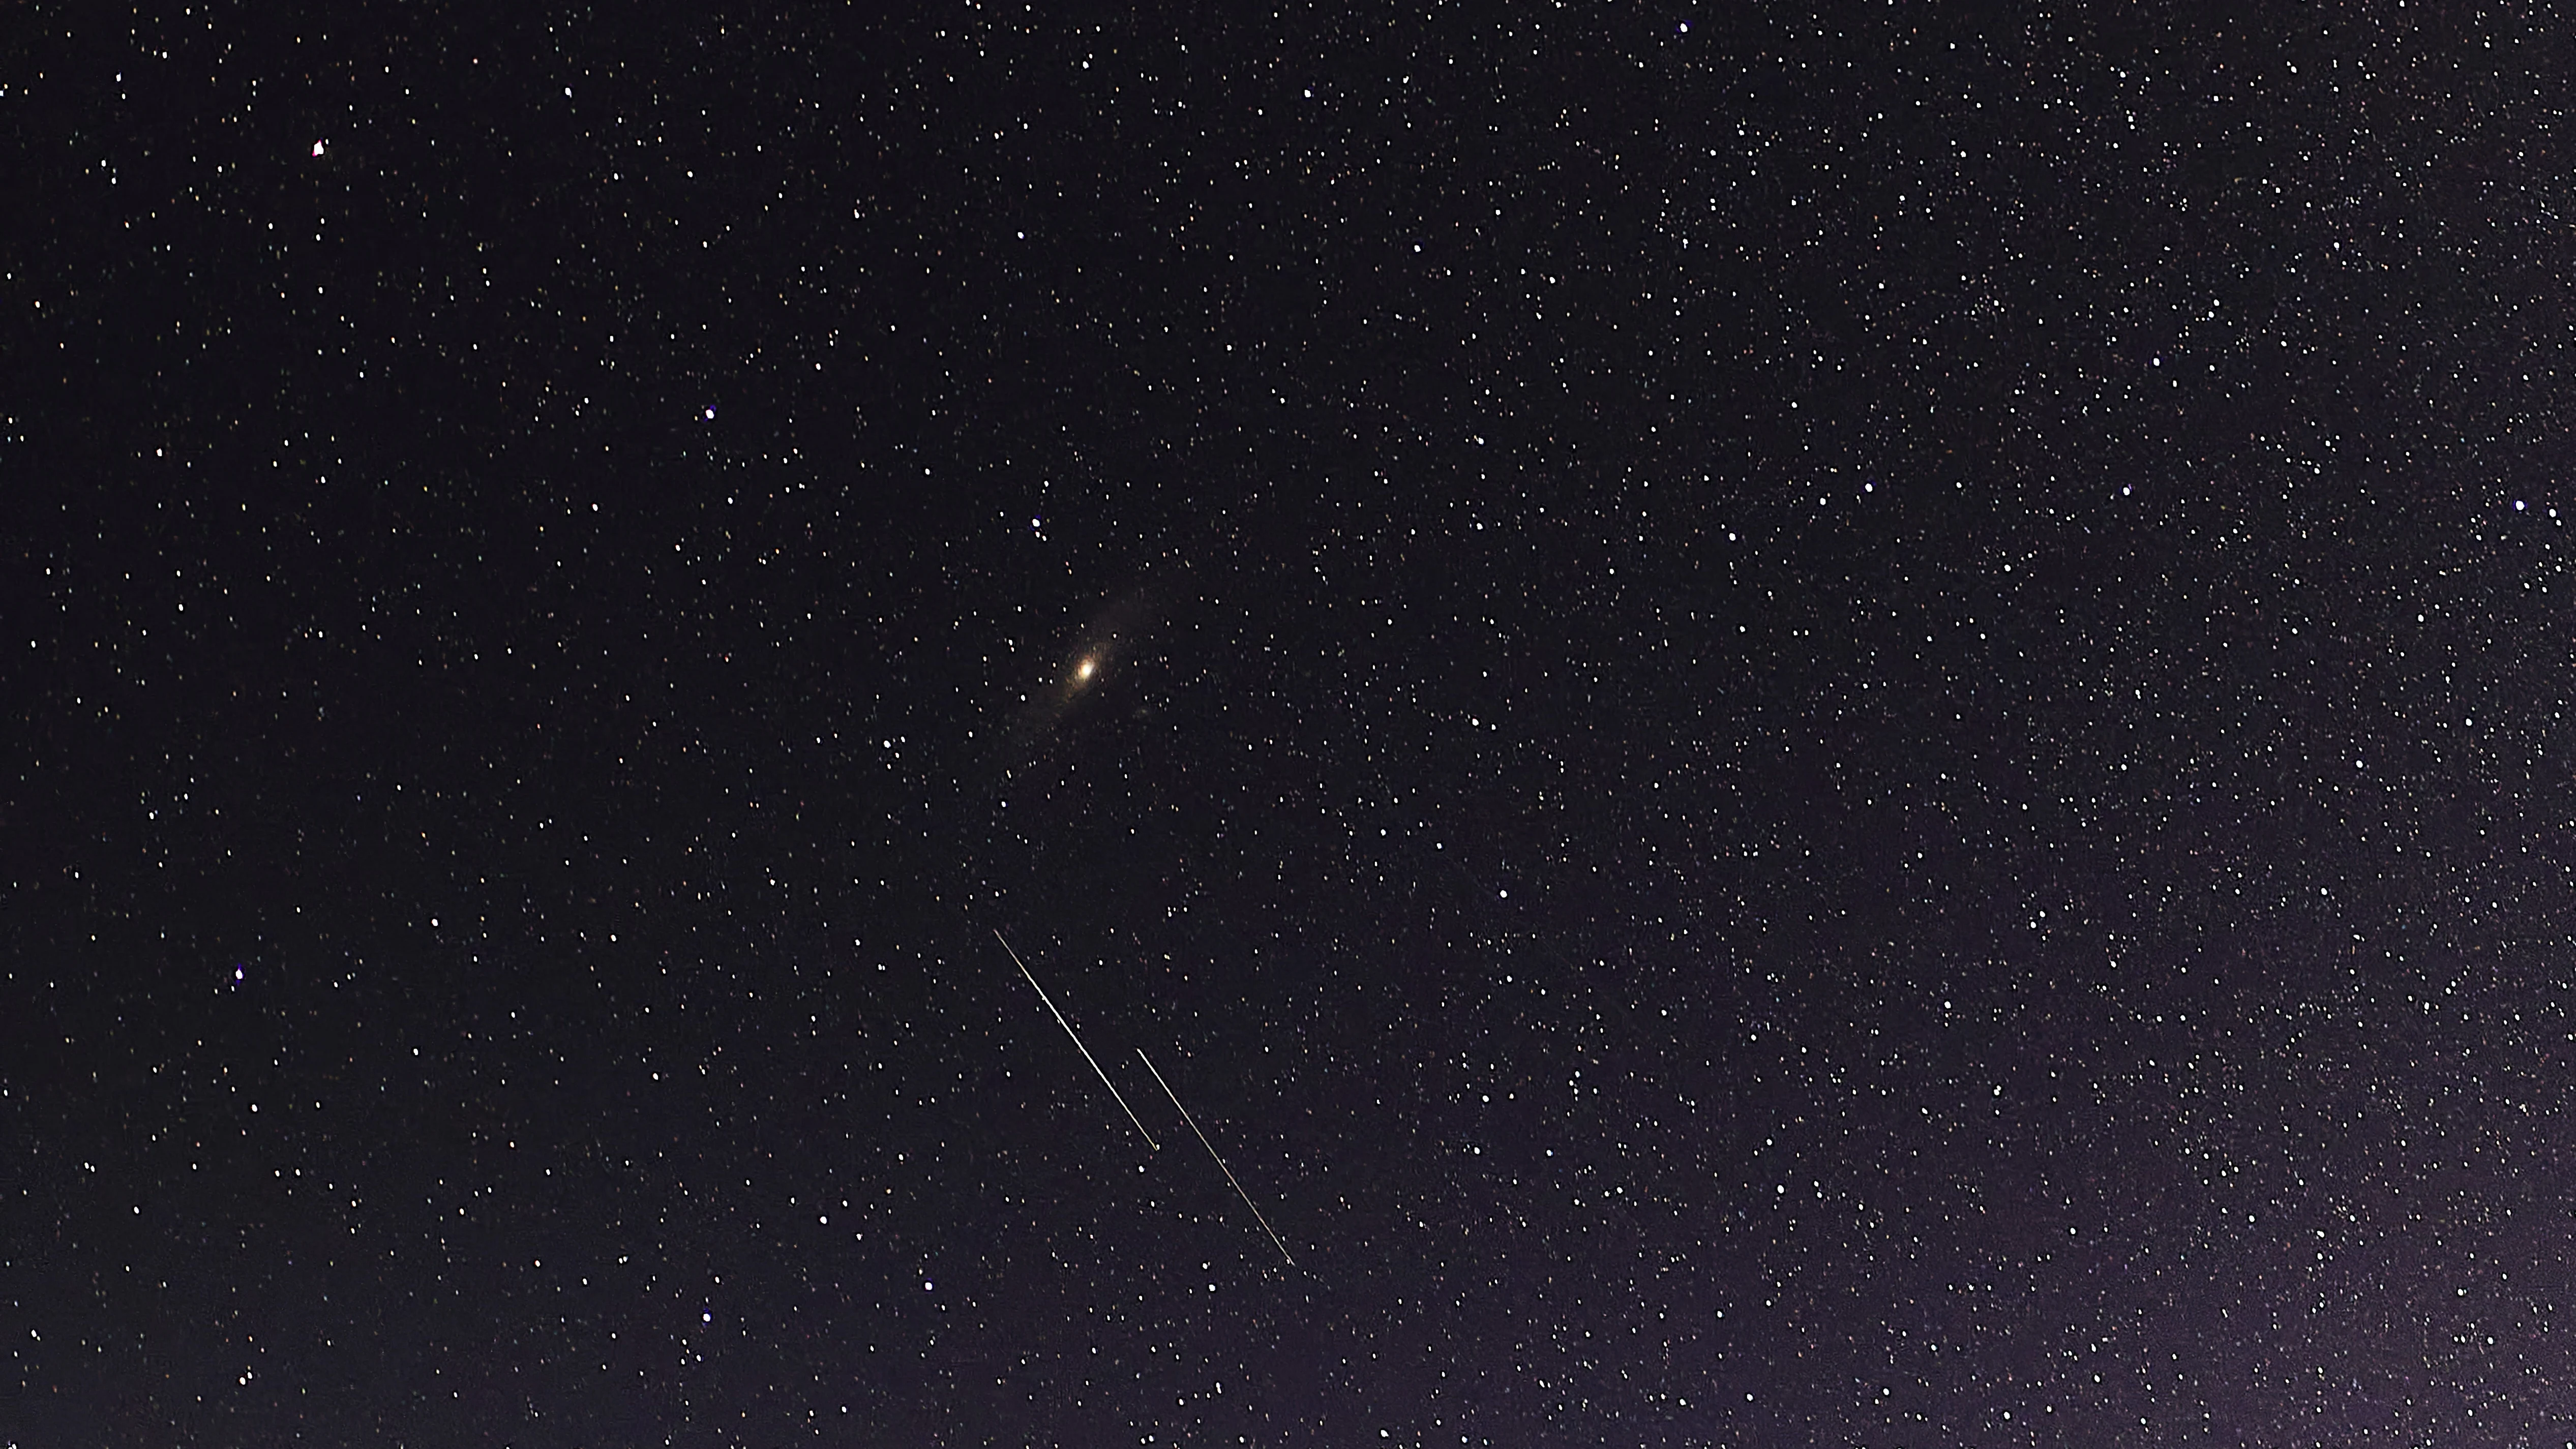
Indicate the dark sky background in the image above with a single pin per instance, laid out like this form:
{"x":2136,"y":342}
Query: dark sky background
{"x":1844,"y":733}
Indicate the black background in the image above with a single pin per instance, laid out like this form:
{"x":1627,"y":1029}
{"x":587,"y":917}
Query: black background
{"x":1809,"y":731}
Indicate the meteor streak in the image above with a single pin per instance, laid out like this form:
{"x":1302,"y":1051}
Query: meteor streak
{"x":1220,"y":1162}
{"x":1086,"y":1051}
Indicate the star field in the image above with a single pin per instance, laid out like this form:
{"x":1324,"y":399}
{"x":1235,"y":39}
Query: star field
{"x":1845,"y":731}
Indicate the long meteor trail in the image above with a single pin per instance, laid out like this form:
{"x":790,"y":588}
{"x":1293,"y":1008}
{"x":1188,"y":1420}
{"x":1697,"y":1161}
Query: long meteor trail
{"x":1220,"y":1162}
{"x":1086,"y":1051}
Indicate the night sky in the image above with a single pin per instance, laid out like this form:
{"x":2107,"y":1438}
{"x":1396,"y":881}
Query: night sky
{"x":1792,"y":733}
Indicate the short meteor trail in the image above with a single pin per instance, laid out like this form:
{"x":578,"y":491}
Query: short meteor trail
{"x":1220,"y":1162}
{"x":1086,"y":1051}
